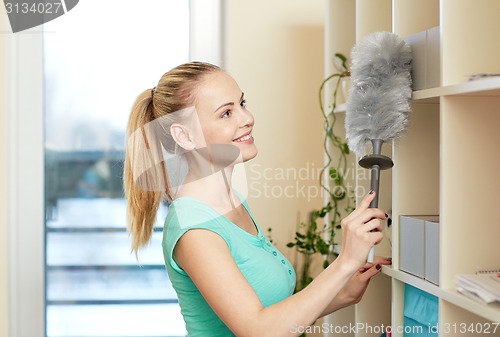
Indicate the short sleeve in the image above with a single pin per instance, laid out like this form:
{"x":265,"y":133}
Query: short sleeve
{"x":187,"y":214}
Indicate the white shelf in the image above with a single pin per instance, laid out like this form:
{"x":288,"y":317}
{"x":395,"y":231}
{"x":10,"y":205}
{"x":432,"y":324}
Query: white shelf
{"x":488,"y":311}
{"x":489,"y":86}
{"x":412,"y":280}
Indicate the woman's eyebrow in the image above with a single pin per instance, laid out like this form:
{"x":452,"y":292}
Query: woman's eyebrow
{"x":229,"y":103}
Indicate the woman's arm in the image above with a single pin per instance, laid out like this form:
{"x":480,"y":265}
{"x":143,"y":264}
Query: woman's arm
{"x":205,"y":256}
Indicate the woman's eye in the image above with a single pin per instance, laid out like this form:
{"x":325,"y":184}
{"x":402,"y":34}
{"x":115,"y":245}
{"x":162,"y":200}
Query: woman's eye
{"x":226,"y":114}
{"x":243,"y":103}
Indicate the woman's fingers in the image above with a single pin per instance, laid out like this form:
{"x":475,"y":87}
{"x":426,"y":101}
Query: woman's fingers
{"x":377,"y":260}
{"x":374,"y":237}
{"x":361,"y":230}
{"x":363,"y":205}
{"x":373,"y":225}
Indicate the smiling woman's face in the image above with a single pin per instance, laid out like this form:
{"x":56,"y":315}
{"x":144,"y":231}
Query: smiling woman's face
{"x":223,"y":115}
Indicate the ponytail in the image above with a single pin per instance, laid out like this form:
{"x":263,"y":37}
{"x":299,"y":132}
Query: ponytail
{"x":142,"y":204}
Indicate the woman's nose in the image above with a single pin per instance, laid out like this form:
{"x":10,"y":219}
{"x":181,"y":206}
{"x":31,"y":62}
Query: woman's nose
{"x":246,"y":118}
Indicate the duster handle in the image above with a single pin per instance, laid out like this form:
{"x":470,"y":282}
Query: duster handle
{"x":374,"y":186}
{"x":375,"y":162}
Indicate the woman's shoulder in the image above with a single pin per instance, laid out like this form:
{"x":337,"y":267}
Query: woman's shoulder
{"x":185,"y":214}
{"x":189,"y":212}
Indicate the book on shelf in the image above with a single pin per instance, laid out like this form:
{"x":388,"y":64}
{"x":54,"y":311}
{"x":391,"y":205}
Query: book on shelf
{"x":484,"y":285}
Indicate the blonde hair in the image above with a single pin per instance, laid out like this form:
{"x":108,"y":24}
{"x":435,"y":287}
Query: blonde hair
{"x":175,"y":91}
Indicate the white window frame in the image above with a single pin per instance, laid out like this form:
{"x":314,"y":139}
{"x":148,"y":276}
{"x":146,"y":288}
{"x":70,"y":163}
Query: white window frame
{"x":25,"y":159}
{"x":25,"y":153}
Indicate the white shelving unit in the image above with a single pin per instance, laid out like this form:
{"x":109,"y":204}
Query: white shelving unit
{"x":448,"y":163}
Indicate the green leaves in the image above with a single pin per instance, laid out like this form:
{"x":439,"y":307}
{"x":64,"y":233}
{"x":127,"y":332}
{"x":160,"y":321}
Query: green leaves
{"x":322,"y":246}
{"x":345,"y":148}
{"x":336,"y":176}
{"x":343,"y":68}
{"x":310,"y":240}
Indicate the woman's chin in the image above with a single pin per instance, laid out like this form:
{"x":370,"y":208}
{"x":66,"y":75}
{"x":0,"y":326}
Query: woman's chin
{"x":248,"y":155}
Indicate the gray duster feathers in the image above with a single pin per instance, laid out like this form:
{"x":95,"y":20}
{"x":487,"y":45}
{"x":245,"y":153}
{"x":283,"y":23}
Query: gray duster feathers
{"x":379,"y":101}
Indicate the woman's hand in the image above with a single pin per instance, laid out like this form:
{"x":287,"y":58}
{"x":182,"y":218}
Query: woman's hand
{"x":360,"y":231}
{"x":354,"y":290}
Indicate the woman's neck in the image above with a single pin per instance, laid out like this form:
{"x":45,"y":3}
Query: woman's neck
{"x":210,"y":183}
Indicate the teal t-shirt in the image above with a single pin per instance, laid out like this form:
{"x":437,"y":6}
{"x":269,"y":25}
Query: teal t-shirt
{"x":266,"y":269}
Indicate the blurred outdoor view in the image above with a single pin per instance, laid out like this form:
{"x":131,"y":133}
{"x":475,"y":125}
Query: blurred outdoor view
{"x":97,"y":60}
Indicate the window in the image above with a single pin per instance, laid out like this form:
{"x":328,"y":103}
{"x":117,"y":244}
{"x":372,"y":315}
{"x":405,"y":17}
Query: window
{"x":94,"y":285}
{"x":77,"y":276}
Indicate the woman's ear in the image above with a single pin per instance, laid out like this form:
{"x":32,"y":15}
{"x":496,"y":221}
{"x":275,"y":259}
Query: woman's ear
{"x":182,"y":136}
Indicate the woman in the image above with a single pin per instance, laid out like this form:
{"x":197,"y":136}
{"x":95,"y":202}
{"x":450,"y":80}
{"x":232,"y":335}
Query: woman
{"x":230,"y":280}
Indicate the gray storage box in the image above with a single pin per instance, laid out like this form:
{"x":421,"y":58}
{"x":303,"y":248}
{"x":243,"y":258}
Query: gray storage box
{"x":418,"y":44}
{"x":426,"y":58}
{"x":432,"y":251}
{"x":412,"y":243}
{"x":433,"y":57}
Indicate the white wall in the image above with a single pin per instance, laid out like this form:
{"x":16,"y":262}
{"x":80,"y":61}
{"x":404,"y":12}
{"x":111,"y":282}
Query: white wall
{"x":274,"y":49}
